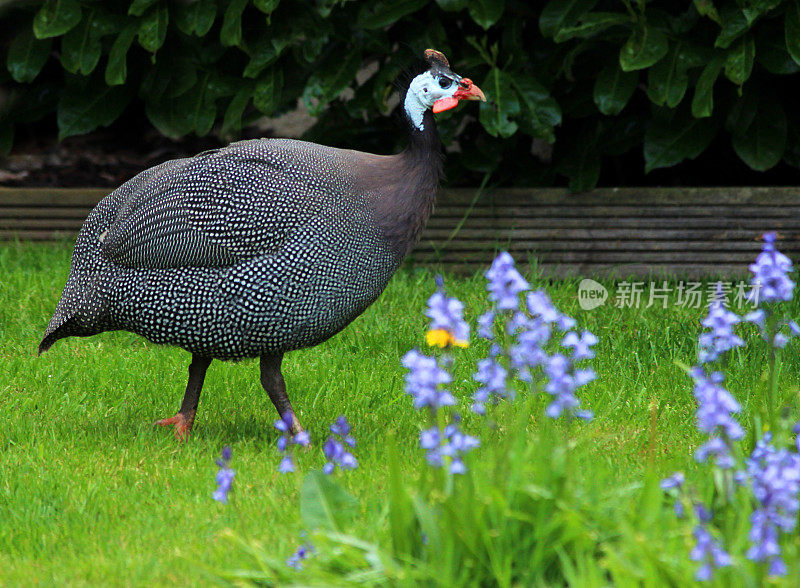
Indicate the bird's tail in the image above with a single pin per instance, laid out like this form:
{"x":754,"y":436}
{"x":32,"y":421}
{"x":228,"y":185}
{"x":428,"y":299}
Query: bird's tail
{"x":83,"y":304}
{"x":57,"y":329}
{"x":79,"y":312}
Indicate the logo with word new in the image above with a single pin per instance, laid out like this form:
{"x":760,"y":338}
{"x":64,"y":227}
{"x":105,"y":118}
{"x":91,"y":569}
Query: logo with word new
{"x":591,"y":294}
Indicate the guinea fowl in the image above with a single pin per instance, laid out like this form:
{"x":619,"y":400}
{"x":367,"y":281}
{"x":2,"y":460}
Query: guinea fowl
{"x":256,"y":249}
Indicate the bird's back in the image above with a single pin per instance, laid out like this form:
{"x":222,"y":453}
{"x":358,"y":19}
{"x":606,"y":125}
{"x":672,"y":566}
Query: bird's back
{"x":264,"y":244}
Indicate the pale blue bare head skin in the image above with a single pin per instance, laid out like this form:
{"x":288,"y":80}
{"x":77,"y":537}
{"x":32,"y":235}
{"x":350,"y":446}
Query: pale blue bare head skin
{"x":424,"y":90}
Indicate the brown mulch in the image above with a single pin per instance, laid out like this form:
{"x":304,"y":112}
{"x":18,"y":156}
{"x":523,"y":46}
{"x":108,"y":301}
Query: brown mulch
{"x":105,"y":158}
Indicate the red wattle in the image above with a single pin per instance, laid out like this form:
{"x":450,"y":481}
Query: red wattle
{"x":444,"y":104}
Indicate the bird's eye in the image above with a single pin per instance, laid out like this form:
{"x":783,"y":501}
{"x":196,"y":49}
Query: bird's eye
{"x":445,"y":83}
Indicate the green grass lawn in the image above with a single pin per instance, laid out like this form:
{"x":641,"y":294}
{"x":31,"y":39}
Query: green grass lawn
{"x":92,"y":494}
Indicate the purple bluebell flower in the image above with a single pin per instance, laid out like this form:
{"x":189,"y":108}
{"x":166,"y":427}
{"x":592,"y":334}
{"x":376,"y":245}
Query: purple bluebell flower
{"x":721,"y":338}
{"x":224,"y":477}
{"x":447,"y":313}
{"x":771,"y":273}
{"x":775,"y":480}
{"x":528,"y":351}
{"x":540,"y":306}
{"x":709,"y":552}
{"x":451,"y":442}
{"x":284,"y":425}
{"x":335,"y":448}
{"x":718,"y":448}
{"x":676,"y":480}
{"x":423,"y":379}
{"x":493,"y":377}
{"x":456,"y":445}
{"x":430,"y":438}
{"x":780,"y":340}
{"x":563,"y":381}
{"x":302,"y":552}
{"x":702,"y":512}
{"x":715,"y":409}
{"x":757,"y":317}
{"x":505,"y":282}
{"x":580,"y":344}
{"x":342,"y":428}
{"x":286,"y":465}
{"x":486,"y":325}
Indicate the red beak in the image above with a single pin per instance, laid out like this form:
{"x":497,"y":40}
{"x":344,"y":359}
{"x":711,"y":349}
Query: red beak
{"x":469,"y":91}
{"x":466,"y":91}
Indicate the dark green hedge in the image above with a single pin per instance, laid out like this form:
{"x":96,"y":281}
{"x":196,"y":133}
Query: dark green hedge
{"x":569,"y":82}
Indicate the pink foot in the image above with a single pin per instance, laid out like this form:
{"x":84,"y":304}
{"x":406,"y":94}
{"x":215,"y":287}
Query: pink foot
{"x":183,"y":424}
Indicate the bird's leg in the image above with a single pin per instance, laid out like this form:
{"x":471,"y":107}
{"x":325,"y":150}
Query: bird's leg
{"x":272,"y":380}
{"x":185,"y":418}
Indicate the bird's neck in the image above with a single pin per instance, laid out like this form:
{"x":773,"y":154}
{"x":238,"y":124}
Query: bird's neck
{"x":410,"y":185}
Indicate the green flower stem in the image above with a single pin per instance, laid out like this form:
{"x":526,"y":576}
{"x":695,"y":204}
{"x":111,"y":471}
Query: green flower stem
{"x":772,"y":389}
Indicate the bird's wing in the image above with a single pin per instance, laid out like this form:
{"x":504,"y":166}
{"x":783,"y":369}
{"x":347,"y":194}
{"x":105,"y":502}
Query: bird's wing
{"x":217,"y":208}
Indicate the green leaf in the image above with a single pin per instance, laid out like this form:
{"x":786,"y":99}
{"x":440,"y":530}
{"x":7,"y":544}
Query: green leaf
{"x":267,"y":6}
{"x":734,"y":24}
{"x":200,"y":108}
{"x":195,"y":18}
{"x":267,"y":92}
{"x":27,"y":56}
{"x":324,"y":504}
{"x":613,"y":88}
{"x":376,"y":15}
{"x":224,"y":86}
{"x":139,"y":7}
{"x":56,"y":18}
{"x":771,"y":51}
{"x":153,"y":28}
{"x":590,"y":25}
{"x":792,"y":153}
{"x":540,"y":111}
{"x":498,"y":113}
{"x":667,"y":80}
{"x":668,"y":142}
{"x":334,"y":75}
{"x":763,"y":144}
{"x":117,"y":68}
{"x":486,"y":12}
{"x":707,"y":8}
{"x":739,"y":63}
{"x":231,"y":32}
{"x":190,"y":111}
{"x":6,"y":138}
{"x":173,"y":77}
{"x":562,"y":14}
{"x":263,"y":52}
{"x":622,"y":133}
{"x":452,"y":5}
{"x":791,"y":23}
{"x":703,"y":101}
{"x":168,"y":115}
{"x":85,"y":106}
{"x":582,"y":165}
{"x":645,"y":46}
{"x":232,"y":121}
{"x":183,"y":79}
{"x":742,"y":112}
{"x":80,"y":48}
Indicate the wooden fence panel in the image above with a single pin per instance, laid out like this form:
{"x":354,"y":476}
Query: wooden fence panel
{"x":694,"y":232}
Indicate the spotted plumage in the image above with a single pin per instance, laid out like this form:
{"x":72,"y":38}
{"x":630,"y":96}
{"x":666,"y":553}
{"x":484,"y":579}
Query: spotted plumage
{"x":252,"y":250}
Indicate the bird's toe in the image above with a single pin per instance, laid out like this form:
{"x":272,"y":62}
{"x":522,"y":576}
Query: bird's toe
{"x":181,"y":422}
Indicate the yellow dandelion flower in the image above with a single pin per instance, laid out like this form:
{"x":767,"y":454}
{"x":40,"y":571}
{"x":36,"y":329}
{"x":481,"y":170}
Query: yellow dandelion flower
{"x":443,"y":338}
